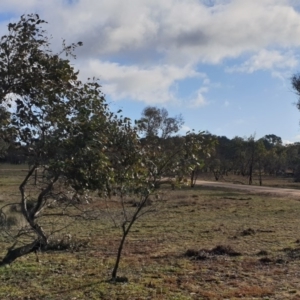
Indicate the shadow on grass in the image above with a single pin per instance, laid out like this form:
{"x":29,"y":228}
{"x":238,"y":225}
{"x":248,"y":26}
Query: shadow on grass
{"x":214,"y":191}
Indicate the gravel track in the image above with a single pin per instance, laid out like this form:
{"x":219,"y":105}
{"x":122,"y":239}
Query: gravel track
{"x":253,"y":189}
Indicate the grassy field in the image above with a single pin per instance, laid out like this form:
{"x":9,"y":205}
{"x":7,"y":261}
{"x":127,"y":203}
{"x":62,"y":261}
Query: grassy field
{"x":201,"y":243}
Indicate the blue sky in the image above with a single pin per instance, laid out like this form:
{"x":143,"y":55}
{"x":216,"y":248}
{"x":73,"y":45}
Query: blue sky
{"x":225,"y":65}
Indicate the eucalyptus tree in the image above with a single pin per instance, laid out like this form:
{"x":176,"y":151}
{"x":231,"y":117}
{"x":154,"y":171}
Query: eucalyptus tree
{"x":5,"y":133}
{"x":221,"y":161}
{"x":271,"y":140}
{"x":73,"y":142}
{"x":199,"y":154}
{"x":139,"y":169}
{"x":241,"y":160}
{"x":156,"y":122}
{"x":64,"y":125}
{"x":295,"y":80}
{"x":261,"y":153}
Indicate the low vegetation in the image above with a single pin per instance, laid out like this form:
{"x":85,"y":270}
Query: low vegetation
{"x":200,"y":243}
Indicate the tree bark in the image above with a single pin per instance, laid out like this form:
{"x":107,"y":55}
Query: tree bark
{"x":116,"y":267}
{"x":13,"y":254}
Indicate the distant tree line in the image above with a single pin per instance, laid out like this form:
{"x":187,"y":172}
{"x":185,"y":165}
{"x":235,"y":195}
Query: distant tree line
{"x":249,"y":157}
{"x":240,"y":156}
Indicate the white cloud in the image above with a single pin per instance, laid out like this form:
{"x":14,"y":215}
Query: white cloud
{"x":152,"y":85}
{"x":200,"y":99}
{"x":295,"y":139}
{"x":267,"y":60}
{"x":178,"y":31}
{"x":143,"y":49}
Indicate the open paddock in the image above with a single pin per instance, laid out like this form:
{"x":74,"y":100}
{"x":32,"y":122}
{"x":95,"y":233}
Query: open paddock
{"x":201,"y":243}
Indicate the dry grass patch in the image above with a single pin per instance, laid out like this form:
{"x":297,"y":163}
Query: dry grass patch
{"x":209,"y":226}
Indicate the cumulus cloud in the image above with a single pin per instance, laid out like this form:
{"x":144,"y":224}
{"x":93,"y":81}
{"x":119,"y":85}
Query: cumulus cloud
{"x":170,"y":28}
{"x":143,"y":49}
{"x":152,"y":85}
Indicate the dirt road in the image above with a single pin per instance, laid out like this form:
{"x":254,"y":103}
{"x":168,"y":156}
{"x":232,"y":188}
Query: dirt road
{"x":253,"y":189}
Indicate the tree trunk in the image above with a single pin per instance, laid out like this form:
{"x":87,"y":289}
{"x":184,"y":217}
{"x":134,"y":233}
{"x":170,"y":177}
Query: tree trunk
{"x":126,"y":231}
{"x":260,"y":175}
{"x":193,"y":178}
{"x":115,"y":270}
{"x":250,"y":174}
{"x":13,"y":254}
